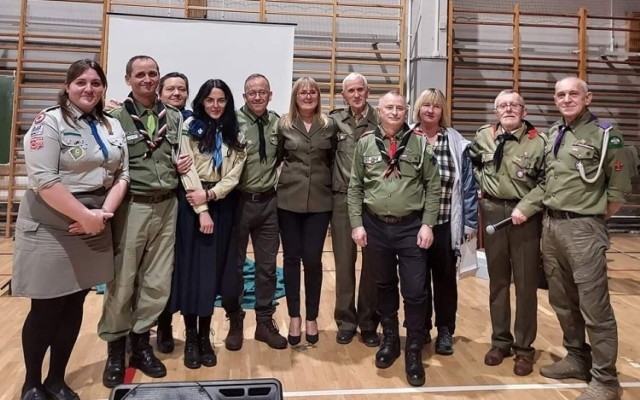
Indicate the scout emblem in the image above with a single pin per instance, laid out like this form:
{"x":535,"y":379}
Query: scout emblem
{"x":76,"y":153}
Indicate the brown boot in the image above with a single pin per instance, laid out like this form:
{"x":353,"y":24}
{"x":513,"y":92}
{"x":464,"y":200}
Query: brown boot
{"x":267,"y":332}
{"x":235,"y":336}
{"x":566,"y":369}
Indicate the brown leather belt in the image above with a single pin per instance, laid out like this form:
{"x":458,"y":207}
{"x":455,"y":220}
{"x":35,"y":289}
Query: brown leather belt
{"x":556,"y":214}
{"x":152,"y":199}
{"x":391,"y":219}
{"x":258,"y":197}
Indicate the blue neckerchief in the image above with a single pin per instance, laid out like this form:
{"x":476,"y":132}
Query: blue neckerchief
{"x":94,"y":132}
{"x":198,"y":129}
{"x":186,"y":113}
{"x":217,"y":151}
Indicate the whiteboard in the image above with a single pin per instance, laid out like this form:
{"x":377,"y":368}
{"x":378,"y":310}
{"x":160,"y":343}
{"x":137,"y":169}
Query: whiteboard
{"x":202,"y":50}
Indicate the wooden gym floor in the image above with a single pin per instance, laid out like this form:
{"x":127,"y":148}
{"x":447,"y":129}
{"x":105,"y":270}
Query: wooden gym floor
{"x":332,"y":371}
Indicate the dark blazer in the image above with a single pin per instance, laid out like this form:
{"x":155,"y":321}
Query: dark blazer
{"x":304,"y":185}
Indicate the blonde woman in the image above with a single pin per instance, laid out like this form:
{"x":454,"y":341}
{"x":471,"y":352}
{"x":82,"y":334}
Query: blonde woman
{"x":304,"y":201}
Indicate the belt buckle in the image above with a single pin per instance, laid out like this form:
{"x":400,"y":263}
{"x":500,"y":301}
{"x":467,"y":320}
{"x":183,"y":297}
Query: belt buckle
{"x":255,"y":197}
{"x":389,"y":219}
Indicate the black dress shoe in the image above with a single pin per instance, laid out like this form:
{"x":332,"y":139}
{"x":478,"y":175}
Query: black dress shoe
{"x":370,"y":338}
{"x":64,"y":393}
{"x":344,"y":336}
{"x":35,"y":393}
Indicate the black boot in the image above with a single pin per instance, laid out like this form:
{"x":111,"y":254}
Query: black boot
{"x":413,"y":359}
{"x":191,"y":350}
{"x":164,"y":333}
{"x":390,"y":346}
{"x":235,"y":336}
{"x":142,"y":356}
{"x":207,"y":355}
{"x":114,"y":368}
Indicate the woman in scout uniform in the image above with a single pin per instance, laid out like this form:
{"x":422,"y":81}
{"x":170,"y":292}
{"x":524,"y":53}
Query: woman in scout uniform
{"x":305,"y":200}
{"x":77,"y":164}
{"x":205,"y":261}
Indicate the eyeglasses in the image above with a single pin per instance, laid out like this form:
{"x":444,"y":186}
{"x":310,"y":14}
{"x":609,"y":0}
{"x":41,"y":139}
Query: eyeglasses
{"x":305,"y":93}
{"x":253,"y":94}
{"x":209,"y":101}
{"x":513,"y":106}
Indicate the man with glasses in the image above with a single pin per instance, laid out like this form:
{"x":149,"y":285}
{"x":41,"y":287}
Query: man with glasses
{"x":508,"y":160}
{"x":257,"y":214}
{"x":587,"y":180}
{"x":359,"y":117}
{"x":394,"y":200}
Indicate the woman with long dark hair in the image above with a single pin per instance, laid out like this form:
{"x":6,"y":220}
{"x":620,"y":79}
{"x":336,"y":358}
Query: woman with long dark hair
{"x":78,"y":170}
{"x":205,"y":263}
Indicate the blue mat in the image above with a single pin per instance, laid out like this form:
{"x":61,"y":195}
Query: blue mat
{"x":249,"y":276}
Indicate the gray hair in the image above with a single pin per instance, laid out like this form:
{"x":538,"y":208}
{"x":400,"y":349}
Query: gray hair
{"x":354,"y":76}
{"x":504,"y":92}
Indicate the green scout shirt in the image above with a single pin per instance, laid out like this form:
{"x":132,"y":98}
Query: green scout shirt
{"x":258,"y":177}
{"x":564,"y":189}
{"x":417,"y":190}
{"x":522,"y":166}
{"x":155,"y":172}
{"x":348,"y":134}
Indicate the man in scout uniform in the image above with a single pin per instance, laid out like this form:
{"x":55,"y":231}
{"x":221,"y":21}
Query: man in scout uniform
{"x":143,"y":226}
{"x":587,"y":181}
{"x":508,"y":160}
{"x":257,"y":213}
{"x":394,"y":199}
{"x":352,"y":122}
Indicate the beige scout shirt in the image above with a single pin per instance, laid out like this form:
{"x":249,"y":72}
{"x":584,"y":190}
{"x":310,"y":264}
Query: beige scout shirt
{"x":564,"y":189}
{"x":348,"y":133}
{"x":417,"y":190}
{"x":56,"y":151}
{"x":522,"y":166}
{"x":225,"y":180}
{"x":258,"y":177}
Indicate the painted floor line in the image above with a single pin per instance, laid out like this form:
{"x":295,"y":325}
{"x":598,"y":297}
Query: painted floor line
{"x":446,"y":389}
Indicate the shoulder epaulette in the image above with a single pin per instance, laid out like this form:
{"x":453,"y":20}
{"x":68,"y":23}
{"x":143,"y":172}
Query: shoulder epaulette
{"x":485,"y":126}
{"x":274,"y":113}
{"x":50,"y":108}
{"x":365,"y":134}
{"x":336,"y":110}
{"x":532,"y":132}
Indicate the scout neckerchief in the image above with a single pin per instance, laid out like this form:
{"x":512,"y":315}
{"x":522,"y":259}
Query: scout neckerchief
{"x":152,"y":144}
{"x":503,"y":138}
{"x":392,"y":157}
{"x":91,"y":121}
{"x":563,"y":129}
{"x":200,"y":130}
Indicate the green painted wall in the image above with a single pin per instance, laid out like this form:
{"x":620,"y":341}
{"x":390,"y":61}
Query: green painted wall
{"x":6,"y":113}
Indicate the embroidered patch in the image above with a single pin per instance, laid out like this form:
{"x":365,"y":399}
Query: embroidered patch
{"x":618,"y":166}
{"x":76,"y":153}
{"x":36,"y":143}
{"x":273,"y":140}
{"x":39,"y":118}
{"x":36,"y":130}
{"x":615,"y":142}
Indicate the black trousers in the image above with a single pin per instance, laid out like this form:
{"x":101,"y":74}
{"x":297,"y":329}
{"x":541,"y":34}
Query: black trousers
{"x":303,"y":236}
{"x":441,"y":268}
{"x":260,"y":221}
{"x":392,"y":250}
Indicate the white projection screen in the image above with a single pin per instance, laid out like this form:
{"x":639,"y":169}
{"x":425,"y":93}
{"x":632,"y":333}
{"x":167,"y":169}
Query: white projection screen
{"x":202,"y":50}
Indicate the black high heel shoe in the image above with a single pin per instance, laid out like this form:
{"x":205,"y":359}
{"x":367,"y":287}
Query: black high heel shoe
{"x":313,"y":339}
{"x":294,"y":340}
